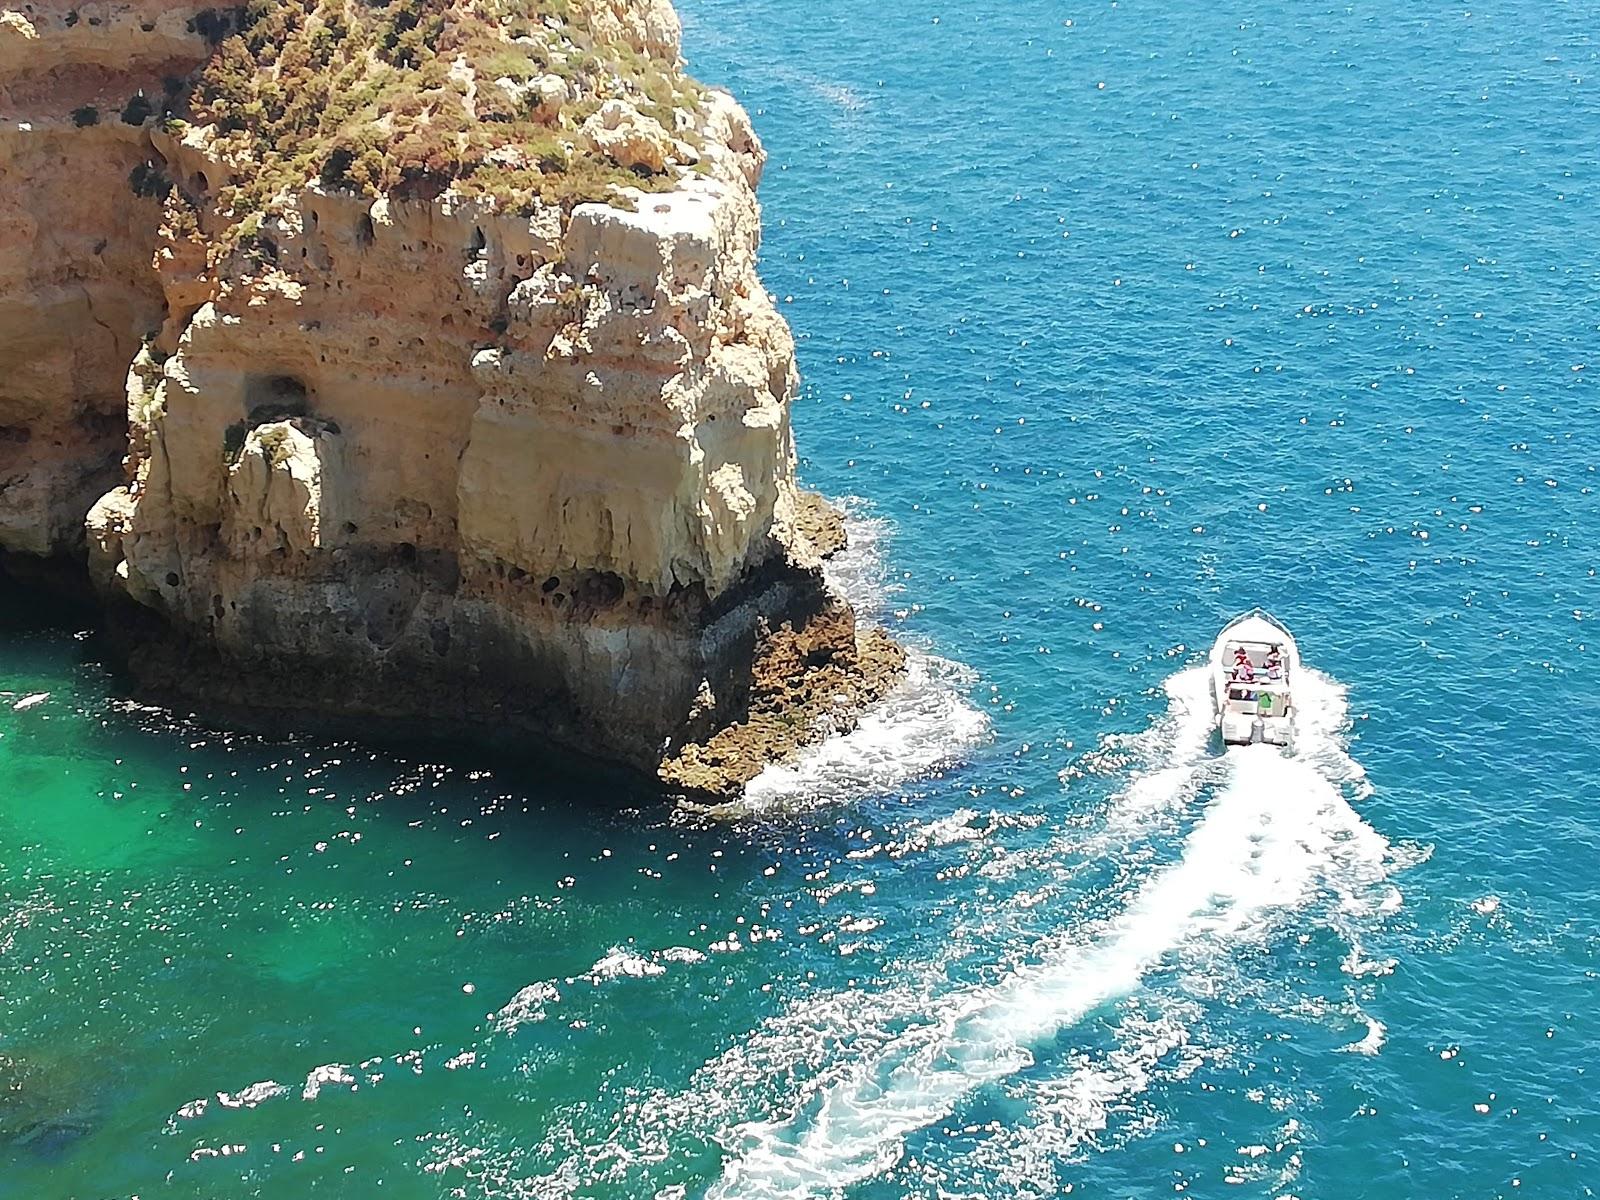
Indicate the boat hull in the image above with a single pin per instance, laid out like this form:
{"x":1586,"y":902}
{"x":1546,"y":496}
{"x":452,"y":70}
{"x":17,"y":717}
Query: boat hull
{"x":1254,"y":702}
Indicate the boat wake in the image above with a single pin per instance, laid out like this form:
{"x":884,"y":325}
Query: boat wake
{"x":1276,"y":850}
{"x":1193,"y":894}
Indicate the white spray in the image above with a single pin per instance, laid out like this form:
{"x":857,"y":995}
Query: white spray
{"x":1277,"y":836}
{"x":925,"y":724}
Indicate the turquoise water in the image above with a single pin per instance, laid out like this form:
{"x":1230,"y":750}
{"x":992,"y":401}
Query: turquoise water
{"x":1298,"y":309}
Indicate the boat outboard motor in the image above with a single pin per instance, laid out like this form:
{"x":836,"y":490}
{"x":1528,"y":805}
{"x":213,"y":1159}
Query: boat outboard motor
{"x":1258,"y":732}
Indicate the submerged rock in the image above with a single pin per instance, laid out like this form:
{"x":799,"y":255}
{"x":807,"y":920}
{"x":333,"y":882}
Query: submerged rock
{"x":461,"y":406}
{"x":39,"y":1117}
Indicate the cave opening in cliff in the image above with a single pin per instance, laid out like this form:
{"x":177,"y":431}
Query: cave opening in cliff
{"x":275,"y":398}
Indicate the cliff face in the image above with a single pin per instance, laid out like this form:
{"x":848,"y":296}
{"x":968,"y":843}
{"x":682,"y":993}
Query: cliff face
{"x":76,"y":290}
{"x":432,"y":336}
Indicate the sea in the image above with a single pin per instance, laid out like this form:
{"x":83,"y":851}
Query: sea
{"x":1116,"y":319}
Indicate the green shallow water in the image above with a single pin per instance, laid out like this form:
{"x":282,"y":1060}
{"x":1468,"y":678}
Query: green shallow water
{"x":187,"y":911}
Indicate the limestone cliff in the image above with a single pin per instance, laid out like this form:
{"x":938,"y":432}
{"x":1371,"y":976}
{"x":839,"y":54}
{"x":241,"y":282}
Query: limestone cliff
{"x":76,"y":290}
{"x":429,"y":338}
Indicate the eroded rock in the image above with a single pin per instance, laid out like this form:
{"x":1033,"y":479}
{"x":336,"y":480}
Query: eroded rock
{"x":487,"y":450}
{"x":627,"y":137}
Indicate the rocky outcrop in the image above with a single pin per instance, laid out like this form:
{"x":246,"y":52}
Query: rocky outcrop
{"x":467,"y":409}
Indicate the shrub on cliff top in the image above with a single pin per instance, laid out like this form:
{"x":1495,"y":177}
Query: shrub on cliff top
{"x":399,"y":97}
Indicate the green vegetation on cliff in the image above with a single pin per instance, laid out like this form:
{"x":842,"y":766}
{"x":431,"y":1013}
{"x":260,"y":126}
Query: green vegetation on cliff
{"x":409,"y":97}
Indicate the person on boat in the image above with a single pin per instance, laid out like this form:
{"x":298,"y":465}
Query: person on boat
{"x":1274,"y":664}
{"x":1243,"y":670}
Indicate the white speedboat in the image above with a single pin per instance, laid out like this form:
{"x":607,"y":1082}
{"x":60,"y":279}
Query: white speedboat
{"x":1253,"y":667}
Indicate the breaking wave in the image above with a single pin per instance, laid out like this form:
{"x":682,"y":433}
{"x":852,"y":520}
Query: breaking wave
{"x":924,"y":725}
{"x":927,"y":723}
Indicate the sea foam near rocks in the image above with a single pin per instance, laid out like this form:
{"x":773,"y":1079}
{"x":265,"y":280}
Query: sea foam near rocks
{"x":925,"y":724}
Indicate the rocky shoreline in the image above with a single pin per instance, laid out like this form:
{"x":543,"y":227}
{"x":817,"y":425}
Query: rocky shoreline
{"x":416,"y":368}
{"x":812,"y":669}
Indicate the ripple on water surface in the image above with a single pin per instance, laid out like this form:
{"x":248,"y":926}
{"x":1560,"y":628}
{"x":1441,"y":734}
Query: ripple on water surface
{"x":1296,"y":309}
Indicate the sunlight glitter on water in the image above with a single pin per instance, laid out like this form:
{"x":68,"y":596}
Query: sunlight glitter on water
{"x":1068,"y":442}
{"x":1276,"y":837}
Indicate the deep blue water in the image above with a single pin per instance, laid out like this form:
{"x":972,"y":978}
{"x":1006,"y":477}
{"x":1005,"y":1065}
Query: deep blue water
{"x":1129,"y":316}
{"x":1115,"y":320}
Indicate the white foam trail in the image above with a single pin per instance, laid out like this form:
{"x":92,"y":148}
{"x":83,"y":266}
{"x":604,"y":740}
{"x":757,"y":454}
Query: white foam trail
{"x":327,"y":1075}
{"x":256,"y":1093}
{"x":960,"y":826}
{"x":530,"y":1004}
{"x":1277,"y":839}
{"x":1372,"y":1043}
{"x":1169,"y":762}
{"x":1177,"y":748}
{"x":1065,"y":1112}
{"x":618,"y":963}
{"x":1177,"y":751}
